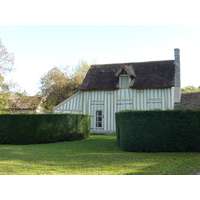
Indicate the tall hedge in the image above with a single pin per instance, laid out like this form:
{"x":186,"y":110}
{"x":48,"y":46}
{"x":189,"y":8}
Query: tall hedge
{"x":36,"y":129}
{"x":159,"y":131}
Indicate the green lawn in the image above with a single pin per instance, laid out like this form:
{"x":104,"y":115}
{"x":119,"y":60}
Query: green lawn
{"x":97,"y":155}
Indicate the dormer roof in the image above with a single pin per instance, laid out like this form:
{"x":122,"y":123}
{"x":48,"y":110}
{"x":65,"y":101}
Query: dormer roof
{"x":128,"y":69}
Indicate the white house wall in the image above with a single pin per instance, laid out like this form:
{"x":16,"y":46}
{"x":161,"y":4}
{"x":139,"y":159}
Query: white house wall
{"x":73,"y":104}
{"x":110,"y":102}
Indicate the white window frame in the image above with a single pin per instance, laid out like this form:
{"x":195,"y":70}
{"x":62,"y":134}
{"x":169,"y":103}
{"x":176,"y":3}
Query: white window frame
{"x":99,"y":121}
{"x":120,"y":80}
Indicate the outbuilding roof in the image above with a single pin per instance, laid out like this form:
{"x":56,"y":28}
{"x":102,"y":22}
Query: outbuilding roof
{"x":190,"y":100}
{"x":23,"y":103}
{"x":153,"y":74}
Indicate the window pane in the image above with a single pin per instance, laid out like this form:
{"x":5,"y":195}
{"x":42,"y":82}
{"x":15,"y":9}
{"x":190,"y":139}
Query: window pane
{"x":99,"y":124}
{"x":124,"y":81}
{"x":99,"y":118}
{"x":123,"y":72}
{"x":99,"y":112}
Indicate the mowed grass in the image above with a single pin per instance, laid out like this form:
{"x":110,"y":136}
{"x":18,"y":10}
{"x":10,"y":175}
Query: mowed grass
{"x":98,"y":155}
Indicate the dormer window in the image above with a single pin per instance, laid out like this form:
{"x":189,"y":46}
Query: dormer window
{"x":126,"y":76}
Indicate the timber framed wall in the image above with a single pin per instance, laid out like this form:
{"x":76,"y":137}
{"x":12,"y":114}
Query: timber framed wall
{"x":110,"y":102}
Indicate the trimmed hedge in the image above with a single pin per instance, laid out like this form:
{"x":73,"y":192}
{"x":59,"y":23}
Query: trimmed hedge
{"x":158,"y":131}
{"x":43,"y":128}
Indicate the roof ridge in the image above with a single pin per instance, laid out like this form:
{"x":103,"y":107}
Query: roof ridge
{"x":189,"y":92}
{"x":132,"y":62}
{"x":16,"y":96}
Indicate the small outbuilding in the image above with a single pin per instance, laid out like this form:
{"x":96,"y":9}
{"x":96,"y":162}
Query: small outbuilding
{"x":24,"y":104}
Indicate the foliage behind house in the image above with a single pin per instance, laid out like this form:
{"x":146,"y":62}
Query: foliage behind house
{"x":59,"y":83}
{"x":190,"y":89}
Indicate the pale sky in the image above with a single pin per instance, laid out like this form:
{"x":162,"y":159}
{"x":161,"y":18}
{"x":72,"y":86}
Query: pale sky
{"x":38,"y":48}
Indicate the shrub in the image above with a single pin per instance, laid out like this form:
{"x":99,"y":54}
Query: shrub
{"x":158,"y":131}
{"x":44,"y":128}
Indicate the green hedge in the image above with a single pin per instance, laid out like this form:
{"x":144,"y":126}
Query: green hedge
{"x":158,"y":131}
{"x":44,"y":128}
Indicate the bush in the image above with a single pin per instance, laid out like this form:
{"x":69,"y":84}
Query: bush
{"x":44,"y":128}
{"x":158,"y":131}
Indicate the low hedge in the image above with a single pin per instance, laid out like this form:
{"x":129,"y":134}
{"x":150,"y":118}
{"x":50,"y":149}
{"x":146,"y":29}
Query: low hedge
{"x":158,"y":131}
{"x":43,"y":128}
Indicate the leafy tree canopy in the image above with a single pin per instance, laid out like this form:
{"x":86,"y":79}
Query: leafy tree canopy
{"x":190,"y":89}
{"x":6,"y":65}
{"x":59,"y":83}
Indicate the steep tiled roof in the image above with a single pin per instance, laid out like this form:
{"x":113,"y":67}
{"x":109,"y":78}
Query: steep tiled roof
{"x":154,"y":74}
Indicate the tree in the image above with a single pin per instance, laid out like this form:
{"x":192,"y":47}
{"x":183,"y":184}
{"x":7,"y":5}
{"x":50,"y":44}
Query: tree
{"x":79,"y":72}
{"x":58,"y":83}
{"x":53,"y":86}
{"x":6,"y":62}
{"x":190,"y":89}
{"x":6,"y":65}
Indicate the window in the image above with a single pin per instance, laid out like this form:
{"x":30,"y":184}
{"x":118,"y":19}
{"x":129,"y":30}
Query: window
{"x":154,"y":104}
{"x":99,"y":119}
{"x":124,"y":80}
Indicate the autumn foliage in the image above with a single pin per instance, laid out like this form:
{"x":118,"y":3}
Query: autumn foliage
{"x":59,"y":83}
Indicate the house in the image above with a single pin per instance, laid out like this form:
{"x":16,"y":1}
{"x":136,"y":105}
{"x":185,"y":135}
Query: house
{"x":110,"y":88}
{"x":21,"y":104}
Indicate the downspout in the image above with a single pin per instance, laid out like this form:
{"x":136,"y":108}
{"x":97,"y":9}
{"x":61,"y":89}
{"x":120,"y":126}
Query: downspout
{"x":177,"y":88}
